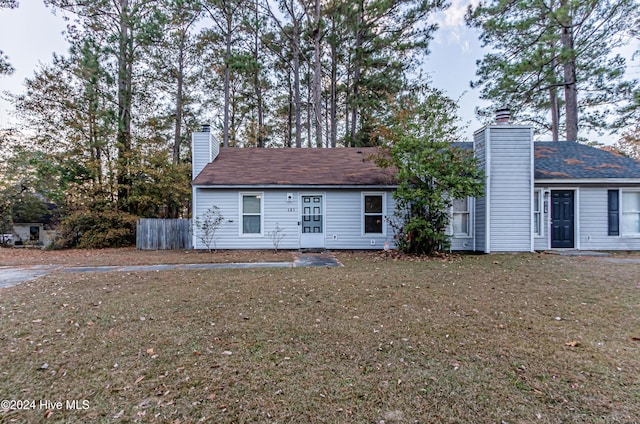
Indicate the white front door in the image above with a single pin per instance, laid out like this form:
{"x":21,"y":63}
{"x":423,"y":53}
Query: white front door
{"x":312,"y":222}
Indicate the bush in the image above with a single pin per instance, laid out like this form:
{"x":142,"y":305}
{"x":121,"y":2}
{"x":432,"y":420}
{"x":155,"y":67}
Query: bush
{"x":98,"y":229}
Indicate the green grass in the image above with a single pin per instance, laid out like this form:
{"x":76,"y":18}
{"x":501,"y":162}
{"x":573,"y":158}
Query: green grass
{"x":482,"y":339}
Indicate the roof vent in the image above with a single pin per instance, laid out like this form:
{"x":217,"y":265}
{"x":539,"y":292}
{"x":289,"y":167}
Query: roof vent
{"x":206,"y":128}
{"x":503,"y":116}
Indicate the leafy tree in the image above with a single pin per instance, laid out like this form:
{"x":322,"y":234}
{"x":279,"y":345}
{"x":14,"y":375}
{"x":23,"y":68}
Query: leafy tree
{"x":629,"y":143}
{"x":431,"y":172}
{"x":176,"y":73}
{"x":386,"y":42}
{"x":5,"y":66}
{"x":543,"y":47}
{"x":122,"y":28}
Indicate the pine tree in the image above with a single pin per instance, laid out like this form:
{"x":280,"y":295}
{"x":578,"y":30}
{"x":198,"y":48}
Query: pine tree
{"x":541,"y":48}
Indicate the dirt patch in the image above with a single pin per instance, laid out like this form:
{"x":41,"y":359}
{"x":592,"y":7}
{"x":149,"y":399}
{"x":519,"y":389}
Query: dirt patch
{"x":132,"y":256}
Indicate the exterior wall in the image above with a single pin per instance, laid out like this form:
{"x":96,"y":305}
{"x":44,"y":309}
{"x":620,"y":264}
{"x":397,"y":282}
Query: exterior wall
{"x":509,"y":191}
{"x":593,"y":223}
{"x":23,"y":233}
{"x":344,"y":221}
{"x":592,"y":232}
{"x":343,"y":218}
{"x":480,"y":211}
{"x":204,"y":149}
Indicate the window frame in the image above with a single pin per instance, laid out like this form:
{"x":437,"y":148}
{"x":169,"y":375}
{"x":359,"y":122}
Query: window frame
{"x":467,"y":212}
{"x":623,"y":211}
{"x":382,"y":214}
{"x":538,"y":215}
{"x":242,"y":214}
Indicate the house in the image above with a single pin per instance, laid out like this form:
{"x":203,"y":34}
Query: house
{"x":37,"y":226}
{"x":538,"y":196}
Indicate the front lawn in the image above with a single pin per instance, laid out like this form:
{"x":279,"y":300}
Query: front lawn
{"x":474,"y":339}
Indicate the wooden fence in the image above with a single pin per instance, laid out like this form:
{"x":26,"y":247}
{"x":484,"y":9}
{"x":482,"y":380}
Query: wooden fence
{"x":163,"y":234}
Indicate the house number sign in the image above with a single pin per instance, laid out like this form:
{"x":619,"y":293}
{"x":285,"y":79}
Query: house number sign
{"x":292,"y":209}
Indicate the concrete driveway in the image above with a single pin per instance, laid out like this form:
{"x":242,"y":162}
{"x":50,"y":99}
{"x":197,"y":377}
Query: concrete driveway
{"x":10,"y":276}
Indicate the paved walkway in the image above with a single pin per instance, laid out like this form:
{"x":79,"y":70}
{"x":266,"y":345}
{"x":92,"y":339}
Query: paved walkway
{"x":10,"y":276}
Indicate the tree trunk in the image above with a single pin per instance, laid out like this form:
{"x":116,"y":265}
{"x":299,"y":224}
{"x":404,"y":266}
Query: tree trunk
{"x":356,"y":74}
{"x":570,"y":87}
{"x":296,"y":81}
{"x":123,"y":137}
{"x":333,"y":120}
{"x":555,"y":119}
{"x":227,"y":83}
{"x":256,"y":81}
{"x":317,"y":75}
{"x":289,"y":135}
{"x":177,"y":135}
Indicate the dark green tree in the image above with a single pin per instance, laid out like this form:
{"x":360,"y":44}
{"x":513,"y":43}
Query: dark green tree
{"x":551,"y":61}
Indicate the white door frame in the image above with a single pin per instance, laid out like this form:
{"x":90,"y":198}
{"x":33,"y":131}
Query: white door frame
{"x":312,"y":240}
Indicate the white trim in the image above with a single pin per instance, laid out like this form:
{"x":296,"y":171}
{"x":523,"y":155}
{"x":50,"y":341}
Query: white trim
{"x":576,"y":219}
{"x":532,"y":187}
{"x":487,"y":217}
{"x":324,"y":219}
{"x":583,"y":181}
{"x":194,"y":212}
{"x":576,"y":215}
{"x":621,"y":191}
{"x":382,"y":194}
{"x":470,"y":213}
{"x":540,"y":234}
{"x":241,"y":213}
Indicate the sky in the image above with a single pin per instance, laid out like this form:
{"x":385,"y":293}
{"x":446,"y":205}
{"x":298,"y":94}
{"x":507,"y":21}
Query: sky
{"x":30,"y":35}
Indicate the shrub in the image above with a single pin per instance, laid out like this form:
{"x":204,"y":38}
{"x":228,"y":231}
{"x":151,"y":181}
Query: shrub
{"x":98,"y":229}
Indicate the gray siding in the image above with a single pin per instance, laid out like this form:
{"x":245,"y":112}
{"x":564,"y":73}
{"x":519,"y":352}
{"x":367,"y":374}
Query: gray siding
{"x":342,"y":220}
{"x":344,"y":226}
{"x":594,"y":223}
{"x":481,"y":202}
{"x":591,"y":223}
{"x":511,"y":189}
{"x":506,"y":210}
{"x":204,"y":149}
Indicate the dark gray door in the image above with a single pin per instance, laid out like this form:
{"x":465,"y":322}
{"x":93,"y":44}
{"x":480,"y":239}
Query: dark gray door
{"x":562,"y":219}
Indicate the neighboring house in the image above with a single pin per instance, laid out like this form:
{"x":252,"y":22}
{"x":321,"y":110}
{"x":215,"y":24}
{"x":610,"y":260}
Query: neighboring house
{"x":40,"y":233}
{"x":538,"y":196}
{"x":28,"y":233}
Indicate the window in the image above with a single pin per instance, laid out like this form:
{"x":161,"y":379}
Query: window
{"x":373,"y":213}
{"x":537,"y":213}
{"x":34,"y":234}
{"x":251,"y":213}
{"x":630,"y":221}
{"x":461,"y":217}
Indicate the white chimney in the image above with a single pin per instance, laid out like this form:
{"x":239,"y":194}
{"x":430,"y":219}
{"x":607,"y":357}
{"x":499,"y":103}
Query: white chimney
{"x":205,"y":149}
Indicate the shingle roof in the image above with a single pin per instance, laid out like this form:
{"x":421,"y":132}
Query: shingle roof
{"x":312,"y":167}
{"x":353,"y":167}
{"x":571,"y":160}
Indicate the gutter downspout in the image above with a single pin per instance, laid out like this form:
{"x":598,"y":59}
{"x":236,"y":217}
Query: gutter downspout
{"x":532,"y":191}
